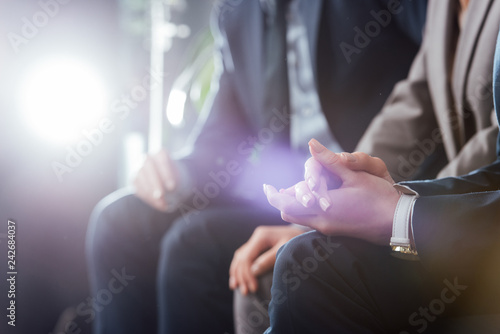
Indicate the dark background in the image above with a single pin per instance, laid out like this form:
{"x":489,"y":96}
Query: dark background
{"x":52,"y":216}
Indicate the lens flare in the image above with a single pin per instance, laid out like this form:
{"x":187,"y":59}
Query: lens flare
{"x":61,"y":97}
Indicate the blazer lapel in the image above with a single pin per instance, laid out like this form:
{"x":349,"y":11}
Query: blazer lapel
{"x":249,"y":60}
{"x":471,"y":30}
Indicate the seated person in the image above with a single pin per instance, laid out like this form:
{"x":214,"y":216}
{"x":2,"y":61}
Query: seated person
{"x":440,"y":121}
{"x":441,"y":275}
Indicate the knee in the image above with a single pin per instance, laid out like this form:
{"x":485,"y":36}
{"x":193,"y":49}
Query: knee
{"x":306,"y":252}
{"x":186,"y":244}
{"x":303,"y":259}
{"x":109,"y":219}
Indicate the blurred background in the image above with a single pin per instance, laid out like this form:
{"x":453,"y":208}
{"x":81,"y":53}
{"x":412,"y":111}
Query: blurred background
{"x":86,"y":88}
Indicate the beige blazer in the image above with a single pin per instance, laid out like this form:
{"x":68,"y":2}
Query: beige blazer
{"x":446,"y":99}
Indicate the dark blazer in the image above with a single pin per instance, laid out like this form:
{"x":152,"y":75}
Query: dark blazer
{"x":352,"y":88}
{"x":456,"y":221}
{"x":442,"y":115}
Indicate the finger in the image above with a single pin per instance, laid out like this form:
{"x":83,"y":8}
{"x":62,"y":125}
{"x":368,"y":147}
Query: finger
{"x":152,"y":178}
{"x":154,"y":186}
{"x":238,"y":261}
{"x":147,"y":189}
{"x":239,"y":283}
{"x":166,"y":170}
{"x":265,"y":262}
{"x":304,"y":195}
{"x":289,"y":191}
{"x":285,"y":202}
{"x":312,"y":173}
{"x":243,"y":278}
{"x":249,"y":279}
{"x":233,"y":283}
{"x":360,"y":161}
{"x":322,"y":195}
{"x":328,"y":159}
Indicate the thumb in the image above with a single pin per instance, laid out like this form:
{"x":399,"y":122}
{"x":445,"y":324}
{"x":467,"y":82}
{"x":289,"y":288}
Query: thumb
{"x":363,"y":162}
{"x":265,"y":262}
{"x":328,"y":159}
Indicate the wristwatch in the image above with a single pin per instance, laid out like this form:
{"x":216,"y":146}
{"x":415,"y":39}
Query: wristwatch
{"x":401,"y":244}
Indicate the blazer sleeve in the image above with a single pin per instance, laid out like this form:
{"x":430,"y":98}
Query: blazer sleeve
{"x":222,"y":124}
{"x":406,"y":119}
{"x":456,"y":224}
{"x":457,"y":235}
{"x":478,"y":151}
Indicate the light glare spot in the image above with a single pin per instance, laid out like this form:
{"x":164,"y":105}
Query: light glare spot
{"x":175,"y":106}
{"x":61,"y":97}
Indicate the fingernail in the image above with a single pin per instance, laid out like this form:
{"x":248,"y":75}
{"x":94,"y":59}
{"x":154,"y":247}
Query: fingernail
{"x":311,"y":183}
{"x":324,"y":204}
{"x":283,"y":216}
{"x":316,"y":146}
{"x":306,"y":199}
{"x":264,"y":187}
{"x":349,"y":156}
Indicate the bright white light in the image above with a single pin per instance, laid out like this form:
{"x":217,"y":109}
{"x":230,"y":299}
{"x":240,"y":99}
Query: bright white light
{"x":61,"y":97}
{"x":175,"y":106}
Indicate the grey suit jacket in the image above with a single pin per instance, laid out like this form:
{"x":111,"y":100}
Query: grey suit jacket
{"x":446,"y":102}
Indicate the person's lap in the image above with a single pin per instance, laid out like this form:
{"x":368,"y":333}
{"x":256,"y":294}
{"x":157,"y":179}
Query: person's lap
{"x":194,"y":268}
{"x":343,"y":285}
{"x":122,"y":254}
{"x":173,"y":266}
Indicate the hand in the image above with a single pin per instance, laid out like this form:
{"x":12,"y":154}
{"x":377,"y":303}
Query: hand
{"x":317,"y":166}
{"x":361,"y":207}
{"x":258,"y":255}
{"x":157,"y":176}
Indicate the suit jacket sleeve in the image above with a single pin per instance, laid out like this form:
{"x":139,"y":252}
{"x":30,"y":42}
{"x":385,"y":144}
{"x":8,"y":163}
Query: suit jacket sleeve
{"x":406,"y":120}
{"x":456,"y":223}
{"x":479,"y":151}
{"x":222,"y":124}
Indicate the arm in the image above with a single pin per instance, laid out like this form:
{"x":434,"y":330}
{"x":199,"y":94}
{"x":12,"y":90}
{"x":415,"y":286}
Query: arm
{"x":407,"y":119}
{"x":455,"y":221}
{"x":479,"y":151}
{"x":457,"y":235}
{"x":164,"y":181}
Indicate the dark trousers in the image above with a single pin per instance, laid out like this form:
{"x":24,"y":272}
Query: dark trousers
{"x":166,"y":273}
{"x":340,"y":285}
